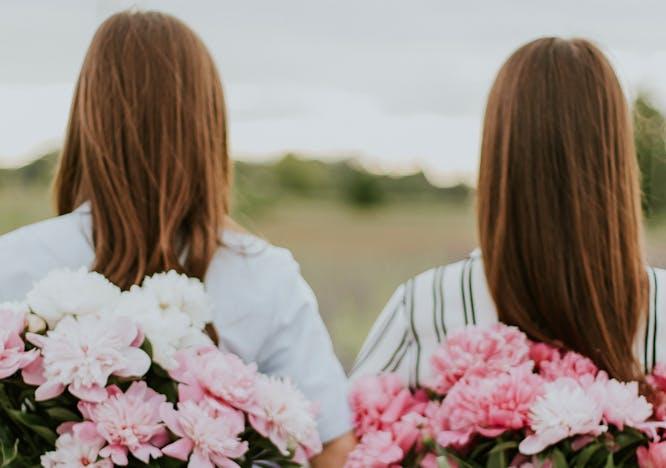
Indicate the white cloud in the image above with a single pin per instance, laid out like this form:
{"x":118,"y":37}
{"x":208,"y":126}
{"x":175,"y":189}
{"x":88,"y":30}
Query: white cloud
{"x":400,"y":83}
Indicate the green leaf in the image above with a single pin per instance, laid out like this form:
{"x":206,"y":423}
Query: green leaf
{"x":443,"y":462}
{"x":497,"y":459}
{"x":558,"y":459}
{"x":33,"y":423}
{"x":60,"y":414}
{"x":8,"y":454}
{"x":512,"y":444}
{"x":583,"y":457}
{"x":610,"y":463}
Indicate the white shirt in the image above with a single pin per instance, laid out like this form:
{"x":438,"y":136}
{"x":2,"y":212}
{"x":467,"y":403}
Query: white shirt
{"x":426,"y":308}
{"x":264,"y":311}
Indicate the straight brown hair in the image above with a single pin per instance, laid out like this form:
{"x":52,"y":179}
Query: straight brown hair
{"x":146,"y":146}
{"x":559,"y":203}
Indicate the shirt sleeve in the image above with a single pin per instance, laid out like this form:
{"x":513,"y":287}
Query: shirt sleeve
{"x":389,"y":345}
{"x":299,"y":347}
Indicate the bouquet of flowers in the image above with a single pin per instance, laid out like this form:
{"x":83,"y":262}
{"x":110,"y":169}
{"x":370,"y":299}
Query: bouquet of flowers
{"x":496,"y":399}
{"x":92,"y":376}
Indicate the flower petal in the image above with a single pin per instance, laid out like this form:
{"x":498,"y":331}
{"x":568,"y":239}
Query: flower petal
{"x":49,"y":390}
{"x":179,"y":450}
{"x":33,"y":373}
{"x":137,"y":363}
{"x":94,"y":393}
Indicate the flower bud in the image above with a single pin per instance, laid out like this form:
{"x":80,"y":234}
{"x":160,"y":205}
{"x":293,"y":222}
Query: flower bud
{"x":36,"y":324}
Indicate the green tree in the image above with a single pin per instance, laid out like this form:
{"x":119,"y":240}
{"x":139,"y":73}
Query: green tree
{"x":650,"y":137}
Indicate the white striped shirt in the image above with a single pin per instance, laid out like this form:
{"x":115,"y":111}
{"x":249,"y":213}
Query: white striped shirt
{"x":426,"y":308}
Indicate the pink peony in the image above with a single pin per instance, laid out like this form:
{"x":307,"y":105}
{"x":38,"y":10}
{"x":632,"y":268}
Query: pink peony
{"x":376,"y":450}
{"x":543,"y":352}
{"x":488,"y":406}
{"x":570,"y":364}
{"x":207,"y":437}
{"x":378,"y":401}
{"x":564,"y":410}
{"x":654,"y":456}
{"x":222,"y":377}
{"x":408,"y":431}
{"x":13,"y":355}
{"x":129,"y":422}
{"x":81,"y":354}
{"x":658,"y":377}
{"x":477,"y":351}
{"x":78,"y":448}
{"x":286,"y":418}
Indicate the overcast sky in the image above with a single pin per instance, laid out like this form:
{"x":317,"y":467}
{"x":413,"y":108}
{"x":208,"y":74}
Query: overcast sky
{"x":401,"y":84}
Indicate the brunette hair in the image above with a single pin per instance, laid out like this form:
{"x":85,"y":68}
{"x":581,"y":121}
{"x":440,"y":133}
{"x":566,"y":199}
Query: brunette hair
{"x":146,"y":146}
{"x":559,"y":203}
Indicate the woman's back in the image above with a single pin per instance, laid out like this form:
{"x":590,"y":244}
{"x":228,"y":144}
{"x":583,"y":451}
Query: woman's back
{"x":427,"y":308}
{"x":263,"y":310}
{"x":559,"y":221}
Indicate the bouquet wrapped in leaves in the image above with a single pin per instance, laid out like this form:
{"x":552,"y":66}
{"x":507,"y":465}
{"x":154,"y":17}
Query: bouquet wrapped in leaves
{"x":498,"y":400}
{"x":92,"y":376}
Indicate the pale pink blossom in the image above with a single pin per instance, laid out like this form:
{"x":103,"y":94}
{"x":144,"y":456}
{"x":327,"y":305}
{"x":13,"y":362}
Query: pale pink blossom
{"x":129,"y":422}
{"x":377,"y":450}
{"x":206,"y":437}
{"x":477,"y":351}
{"x":286,"y":418}
{"x":564,"y":410}
{"x":221,"y":377}
{"x":377,"y":401}
{"x":621,"y":402}
{"x":81,"y":354}
{"x":654,"y":456}
{"x":78,"y":448}
{"x":13,"y":355}
{"x":488,"y":406}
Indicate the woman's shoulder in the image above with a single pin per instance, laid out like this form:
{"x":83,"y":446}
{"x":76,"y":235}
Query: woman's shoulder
{"x":447,"y":272}
{"x":245,"y":253}
{"x":27,"y":252}
{"x":449,"y":296}
{"x":247,"y":273}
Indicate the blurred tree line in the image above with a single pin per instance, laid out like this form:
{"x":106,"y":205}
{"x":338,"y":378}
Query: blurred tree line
{"x":258,"y":186}
{"x":650,"y":130}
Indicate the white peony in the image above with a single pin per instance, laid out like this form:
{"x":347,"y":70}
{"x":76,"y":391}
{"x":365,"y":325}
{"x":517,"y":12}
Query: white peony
{"x":565,"y":410}
{"x":19,"y":308}
{"x":71,"y":292}
{"x":167,"y":329}
{"x":178,"y":292}
{"x":285,"y":417}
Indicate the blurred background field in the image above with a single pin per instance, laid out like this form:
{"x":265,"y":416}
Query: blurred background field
{"x":356,"y":234}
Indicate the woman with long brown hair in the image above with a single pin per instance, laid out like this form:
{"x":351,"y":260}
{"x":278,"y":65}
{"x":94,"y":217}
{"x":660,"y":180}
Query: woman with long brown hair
{"x":143,"y":187}
{"x":561,"y":248}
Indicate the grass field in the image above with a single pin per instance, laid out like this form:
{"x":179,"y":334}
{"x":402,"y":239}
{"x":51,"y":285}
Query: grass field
{"x":353,"y":258}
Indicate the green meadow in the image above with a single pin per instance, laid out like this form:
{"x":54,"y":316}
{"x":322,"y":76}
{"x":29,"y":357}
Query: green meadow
{"x":353,"y":254}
